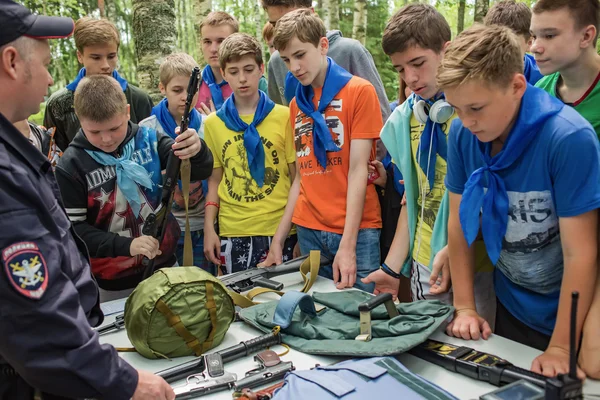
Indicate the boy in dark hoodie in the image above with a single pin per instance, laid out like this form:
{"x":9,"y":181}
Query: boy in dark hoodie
{"x":110,"y":180}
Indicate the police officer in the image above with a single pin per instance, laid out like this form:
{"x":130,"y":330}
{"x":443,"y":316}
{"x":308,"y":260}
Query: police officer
{"x":48,"y":298}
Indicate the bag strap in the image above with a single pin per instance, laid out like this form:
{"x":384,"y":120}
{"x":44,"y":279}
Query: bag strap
{"x":284,"y":312}
{"x":309,"y":270}
{"x":188,"y":251}
{"x":175,"y":322}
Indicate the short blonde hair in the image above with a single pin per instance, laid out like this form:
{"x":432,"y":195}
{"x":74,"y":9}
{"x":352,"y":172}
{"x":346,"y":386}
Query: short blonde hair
{"x":268,"y":32}
{"x":303,"y":24}
{"x":99,"y":98}
{"x":237,"y":46}
{"x":176,"y":64}
{"x":218,"y":18}
{"x":489,"y":54}
{"x":92,"y":32}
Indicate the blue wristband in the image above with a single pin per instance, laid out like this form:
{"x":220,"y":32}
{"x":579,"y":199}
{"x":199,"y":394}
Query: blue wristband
{"x":389,"y":271}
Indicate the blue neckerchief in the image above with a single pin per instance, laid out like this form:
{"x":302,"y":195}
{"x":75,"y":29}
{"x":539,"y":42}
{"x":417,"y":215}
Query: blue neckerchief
{"x":387,"y":161}
{"x":252,"y":142}
{"x":168,"y":123}
{"x":433,"y":136}
{"x":290,"y":86}
{"x":336,"y":78}
{"x":536,"y":107}
{"x":531,"y":71}
{"x":73,"y":85}
{"x":129,"y":174}
{"x":215,"y":88}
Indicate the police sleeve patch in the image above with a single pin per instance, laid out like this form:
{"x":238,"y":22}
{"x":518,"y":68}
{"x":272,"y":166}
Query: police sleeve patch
{"x":26,"y":269}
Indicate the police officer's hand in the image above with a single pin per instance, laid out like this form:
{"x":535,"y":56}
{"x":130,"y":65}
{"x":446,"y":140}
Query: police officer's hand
{"x":384,"y":283}
{"x":187,"y":145}
{"x":146,"y":246}
{"x":152,"y":387}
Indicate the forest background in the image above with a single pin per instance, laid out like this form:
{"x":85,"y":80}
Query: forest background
{"x":152,"y":29}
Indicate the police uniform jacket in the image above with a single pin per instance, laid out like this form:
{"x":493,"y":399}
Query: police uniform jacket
{"x":48,"y":297}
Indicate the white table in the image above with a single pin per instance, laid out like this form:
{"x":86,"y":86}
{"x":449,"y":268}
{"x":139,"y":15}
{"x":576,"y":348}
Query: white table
{"x":459,"y":385}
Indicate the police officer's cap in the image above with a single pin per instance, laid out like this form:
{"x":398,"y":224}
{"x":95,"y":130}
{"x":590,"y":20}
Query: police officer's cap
{"x":17,"y":21}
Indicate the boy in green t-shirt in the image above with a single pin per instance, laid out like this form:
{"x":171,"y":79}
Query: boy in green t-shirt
{"x":564,"y":34}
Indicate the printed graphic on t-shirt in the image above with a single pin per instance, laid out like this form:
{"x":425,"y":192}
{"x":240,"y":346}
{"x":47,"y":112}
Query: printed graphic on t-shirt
{"x":531,"y":251}
{"x":236,"y":172}
{"x":303,"y":134}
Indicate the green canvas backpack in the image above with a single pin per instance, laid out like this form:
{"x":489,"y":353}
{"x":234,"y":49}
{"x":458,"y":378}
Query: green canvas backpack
{"x":180,"y":311}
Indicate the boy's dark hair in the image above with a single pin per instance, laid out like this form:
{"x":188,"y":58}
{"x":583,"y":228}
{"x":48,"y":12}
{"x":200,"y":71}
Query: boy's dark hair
{"x":513,"y":15}
{"x":416,"y":24}
{"x":287,"y":3}
{"x":303,"y":24}
{"x":584,"y":12}
{"x":237,"y":46}
{"x":99,"y":98}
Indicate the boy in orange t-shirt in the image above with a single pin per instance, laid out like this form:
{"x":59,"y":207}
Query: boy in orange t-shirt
{"x":336,"y":120}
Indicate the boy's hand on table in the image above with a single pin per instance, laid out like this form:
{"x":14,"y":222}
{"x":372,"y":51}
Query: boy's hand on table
{"x":467,"y":324}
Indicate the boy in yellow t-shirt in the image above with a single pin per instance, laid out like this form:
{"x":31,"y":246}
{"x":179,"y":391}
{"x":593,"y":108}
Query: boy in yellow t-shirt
{"x":254,"y":162}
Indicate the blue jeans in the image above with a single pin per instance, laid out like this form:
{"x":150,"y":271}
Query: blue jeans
{"x":367,"y":251}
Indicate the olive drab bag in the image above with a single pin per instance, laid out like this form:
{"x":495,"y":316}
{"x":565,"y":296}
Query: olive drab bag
{"x":178,"y":311}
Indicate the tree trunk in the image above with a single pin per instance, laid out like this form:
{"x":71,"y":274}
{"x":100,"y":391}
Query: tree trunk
{"x":258,"y":22}
{"x":100,"y":7}
{"x":481,"y":8}
{"x":155,"y":38}
{"x":334,"y":14}
{"x":460,"y":25}
{"x":359,"y":25}
{"x":201,"y":10}
{"x":327,"y":13}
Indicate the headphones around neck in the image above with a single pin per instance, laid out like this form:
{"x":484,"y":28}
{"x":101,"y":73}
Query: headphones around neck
{"x":439,"y":112}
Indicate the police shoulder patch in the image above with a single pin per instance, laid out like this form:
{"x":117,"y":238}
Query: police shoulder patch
{"x":26,"y":269}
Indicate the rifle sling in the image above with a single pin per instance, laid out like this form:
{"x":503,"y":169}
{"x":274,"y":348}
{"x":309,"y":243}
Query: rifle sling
{"x":188,"y":251}
{"x":309,"y":269}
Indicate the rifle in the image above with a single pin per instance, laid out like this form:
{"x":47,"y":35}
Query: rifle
{"x":210,"y":366}
{"x":270,"y":369}
{"x":115,"y":326}
{"x":474,"y":364}
{"x":155,"y":224}
{"x":248,"y":279}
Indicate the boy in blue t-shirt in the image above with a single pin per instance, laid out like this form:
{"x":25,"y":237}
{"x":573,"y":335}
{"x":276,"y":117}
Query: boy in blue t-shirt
{"x":512,"y":177}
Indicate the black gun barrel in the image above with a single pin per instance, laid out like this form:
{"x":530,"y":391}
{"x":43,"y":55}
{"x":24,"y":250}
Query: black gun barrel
{"x":240,"y":350}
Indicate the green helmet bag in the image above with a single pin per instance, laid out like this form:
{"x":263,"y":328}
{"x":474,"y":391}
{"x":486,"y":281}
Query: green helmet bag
{"x":179,"y":311}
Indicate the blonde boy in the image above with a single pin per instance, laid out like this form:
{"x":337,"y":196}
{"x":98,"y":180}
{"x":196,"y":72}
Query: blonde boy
{"x":336,"y":121}
{"x":511,"y":176}
{"x":97,"y":42}
{"x":166,"y":116}
{"x":214,"y":89}
{"x":251,"y":139}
